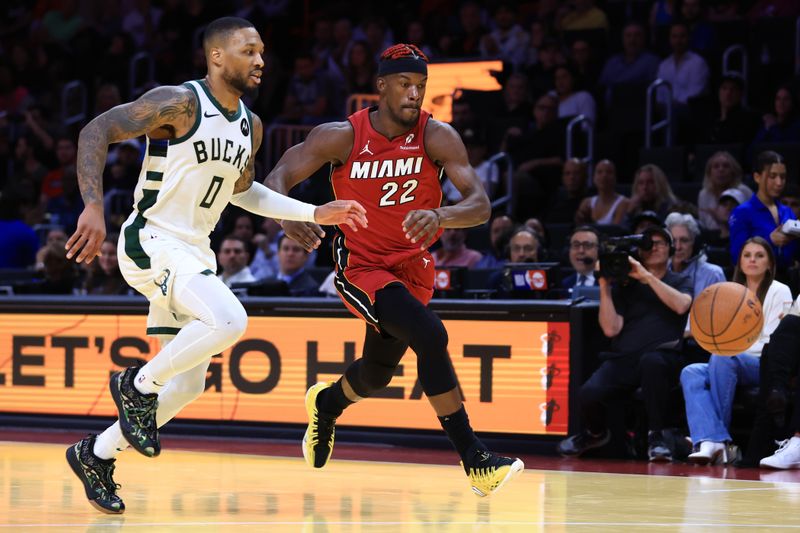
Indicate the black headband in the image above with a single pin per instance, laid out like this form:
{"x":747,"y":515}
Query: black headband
{"x":403,"y":64}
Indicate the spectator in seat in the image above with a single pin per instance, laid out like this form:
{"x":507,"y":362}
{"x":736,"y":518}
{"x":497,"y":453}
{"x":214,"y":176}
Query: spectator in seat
{"x":582,"y":57}
{"x":292,"y":268}
{"x":523,"y":246}
{"x":689,"y":257}
{"x":634,"y":64}
{"x":607,"y":206}
{"x":17,"y":239}
{"x":782,"y":124}
{"x":233,"y":258}
{"x":722,"y":173}
{"x":701,"y":33}
{"x":583,"y":250}
{"x":515,"y":103}
{"x":572,"y":192}
{"x":361,"y":69}
{"x":640,"y":317}
{"x":66,"y":152}
{"x":27,"y":164}
{"x":104,"y":276}
{"x":307,"y":96}
{"x":709,"y":388}
{"x":540,"y":75}
{"x":571,"y":101}
{"x":265,"y":259}
{"x":651,"y":192}
{"x":731,"y":122}
{"x":729,"y":200}
{"x":686,"y":71}
{"x":763,"y":214}
{"x":499,"y":231}
{"x":791,"y":198}
{"x":467,"y":40}
{"x":508,"y":41}
{"x":489,"y":173}
{"x":538,"y":156}
{"x":67,"y":207}
{"x":60,"y":273}
{"x":454,"y":251}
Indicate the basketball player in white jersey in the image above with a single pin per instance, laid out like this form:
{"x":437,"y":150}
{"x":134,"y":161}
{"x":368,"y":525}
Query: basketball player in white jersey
{"x":201,"y":142}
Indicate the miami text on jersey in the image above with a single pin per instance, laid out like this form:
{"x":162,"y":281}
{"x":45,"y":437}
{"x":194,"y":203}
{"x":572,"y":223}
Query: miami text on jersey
{"x":388,"y":168}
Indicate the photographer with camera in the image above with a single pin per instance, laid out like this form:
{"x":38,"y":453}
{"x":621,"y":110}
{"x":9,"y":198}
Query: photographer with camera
{"x":643,"y":308}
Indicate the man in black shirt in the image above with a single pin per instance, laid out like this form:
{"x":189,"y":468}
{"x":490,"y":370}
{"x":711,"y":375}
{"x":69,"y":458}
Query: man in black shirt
{"x":641,"y":317}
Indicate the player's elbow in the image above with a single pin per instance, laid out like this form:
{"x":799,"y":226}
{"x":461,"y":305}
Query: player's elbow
{"x":483,"y":210}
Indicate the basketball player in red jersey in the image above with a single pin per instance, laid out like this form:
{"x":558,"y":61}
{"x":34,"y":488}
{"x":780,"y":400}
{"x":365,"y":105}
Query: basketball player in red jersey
{"x":390,"y":158}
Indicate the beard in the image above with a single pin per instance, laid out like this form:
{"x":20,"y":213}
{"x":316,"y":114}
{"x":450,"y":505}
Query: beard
{"x":408,"y":123}
{"x":242,"y":84}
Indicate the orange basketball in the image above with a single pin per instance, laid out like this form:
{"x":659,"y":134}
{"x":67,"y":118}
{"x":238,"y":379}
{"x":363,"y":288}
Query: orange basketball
{"x":726,"y":318}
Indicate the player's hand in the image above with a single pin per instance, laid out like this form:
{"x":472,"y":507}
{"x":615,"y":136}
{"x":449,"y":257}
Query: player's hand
{"x":306,"y":234}
{"x":638,"y":271}
{"x":421,"y":225}
{"x":340,"y":212}
{"x":89,"y":236}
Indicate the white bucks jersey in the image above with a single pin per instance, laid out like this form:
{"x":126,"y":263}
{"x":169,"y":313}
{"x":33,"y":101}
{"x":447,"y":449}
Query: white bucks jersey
{"x":187,"y":182}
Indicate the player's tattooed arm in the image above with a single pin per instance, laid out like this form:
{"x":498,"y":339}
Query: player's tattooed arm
{"x":162,"y":107}
{"x":245,"y":181}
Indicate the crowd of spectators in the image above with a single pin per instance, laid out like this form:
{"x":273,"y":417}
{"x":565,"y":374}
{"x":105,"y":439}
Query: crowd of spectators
{"x":726,"y":176}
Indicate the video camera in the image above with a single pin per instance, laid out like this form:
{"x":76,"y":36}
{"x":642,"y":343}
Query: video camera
{"x":614,"y":253}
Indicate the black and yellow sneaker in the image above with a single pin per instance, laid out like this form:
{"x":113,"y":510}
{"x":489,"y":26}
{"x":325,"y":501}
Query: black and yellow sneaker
{"x":489,"y":472}
{"x":137,"y":413}
{"x":96,"y":475}
{"x":318,"y":440}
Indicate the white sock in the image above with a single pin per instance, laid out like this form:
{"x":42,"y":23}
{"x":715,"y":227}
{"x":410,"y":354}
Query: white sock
{"x":110,"y":443}
{"x":146,"y":383}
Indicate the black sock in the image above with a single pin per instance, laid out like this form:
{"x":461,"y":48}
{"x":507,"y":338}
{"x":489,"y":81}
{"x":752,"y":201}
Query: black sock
{"x":460,"y":434}
{"x":332,"y":401}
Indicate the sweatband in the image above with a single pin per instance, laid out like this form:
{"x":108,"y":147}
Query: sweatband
{"x":403,"y":64}
{"x":265,"y":202}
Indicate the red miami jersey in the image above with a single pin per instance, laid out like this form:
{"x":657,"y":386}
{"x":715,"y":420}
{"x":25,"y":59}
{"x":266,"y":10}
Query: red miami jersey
{"x":389,"y":177}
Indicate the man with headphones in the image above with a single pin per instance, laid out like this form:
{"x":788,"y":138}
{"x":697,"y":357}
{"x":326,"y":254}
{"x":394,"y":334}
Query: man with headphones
{"x":689,"y":258}
{"x":642,"y":317}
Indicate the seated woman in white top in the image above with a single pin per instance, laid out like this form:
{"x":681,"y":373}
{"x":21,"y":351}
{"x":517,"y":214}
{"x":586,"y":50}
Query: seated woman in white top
{"x":607,"y":206}
{"x":708,"y":388}
{"x":572,"y":102}
{"x":722,"y":173}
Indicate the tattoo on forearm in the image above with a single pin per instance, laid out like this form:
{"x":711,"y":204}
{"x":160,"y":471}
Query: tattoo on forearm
{"x":245,"y":181}
{"x":161,"y":107}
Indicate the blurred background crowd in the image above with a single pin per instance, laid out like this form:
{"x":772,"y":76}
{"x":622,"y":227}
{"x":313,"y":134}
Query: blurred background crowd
{"x":732,"y":94}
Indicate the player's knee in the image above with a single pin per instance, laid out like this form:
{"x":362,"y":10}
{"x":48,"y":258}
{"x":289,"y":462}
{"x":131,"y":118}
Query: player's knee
{"x":435,"y":338}
{"x":233,"y":320}
{"x":375,"y":377}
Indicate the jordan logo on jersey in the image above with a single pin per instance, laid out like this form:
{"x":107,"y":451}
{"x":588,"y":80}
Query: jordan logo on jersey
{"x":365,"y":150}
{"x":425,"y":260}
{"x":388,"y":168}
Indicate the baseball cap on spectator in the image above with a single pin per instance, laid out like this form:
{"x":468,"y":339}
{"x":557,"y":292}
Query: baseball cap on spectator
{"x":648,"y":216}
{"x":733,"y":193}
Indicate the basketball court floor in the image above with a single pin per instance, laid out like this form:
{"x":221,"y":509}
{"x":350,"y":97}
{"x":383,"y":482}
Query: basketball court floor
{"x":223,"y":485}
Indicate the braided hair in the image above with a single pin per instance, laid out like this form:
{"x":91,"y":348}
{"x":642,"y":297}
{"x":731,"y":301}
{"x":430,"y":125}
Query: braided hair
{"x":402,"y":58}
